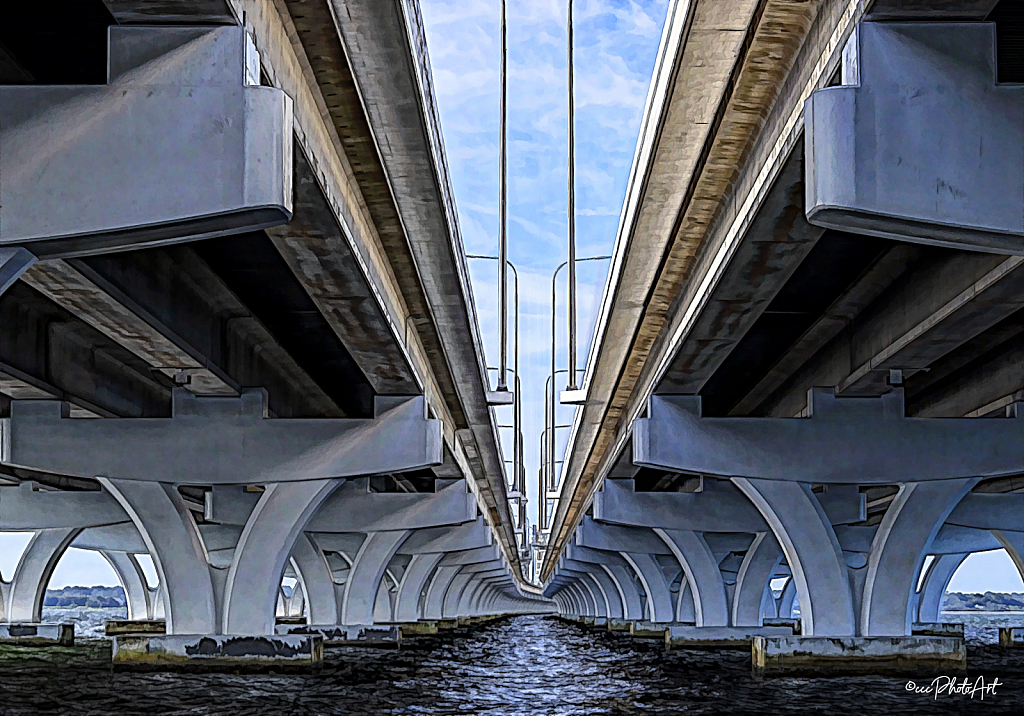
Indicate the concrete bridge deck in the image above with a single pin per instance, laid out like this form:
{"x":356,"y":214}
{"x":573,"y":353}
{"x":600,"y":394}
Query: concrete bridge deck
{"x":237,"y":332}
{"x":806,"y":361}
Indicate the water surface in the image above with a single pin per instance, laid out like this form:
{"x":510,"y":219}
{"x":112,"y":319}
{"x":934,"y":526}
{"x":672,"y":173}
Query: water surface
{"x":527,"y":666}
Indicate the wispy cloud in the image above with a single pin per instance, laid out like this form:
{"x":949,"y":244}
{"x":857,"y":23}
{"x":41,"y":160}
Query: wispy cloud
{"x":616,"y":42}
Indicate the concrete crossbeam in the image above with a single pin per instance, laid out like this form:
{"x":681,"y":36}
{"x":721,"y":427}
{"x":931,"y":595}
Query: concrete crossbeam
{"x":38,"y":634}
{"x":221,"y":441}
{"x":163,"y":83}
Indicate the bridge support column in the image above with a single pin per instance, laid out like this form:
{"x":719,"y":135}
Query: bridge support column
{"x":314,"y":574}
{"x":414,"y":580}
{"x":139,"y":596}
{"x":702,"y":576}
{"x":752,"y":581}
{"x":28,"y":587}
{"x":929,"y":604}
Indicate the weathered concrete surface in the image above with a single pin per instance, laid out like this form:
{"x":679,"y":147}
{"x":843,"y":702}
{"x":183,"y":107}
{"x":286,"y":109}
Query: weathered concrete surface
{"x":290,"y":620}
{"x":936,"y":629}
{"x":38,"y":634}
{"x":797,"y":627}
{"x":418,"y":629}
{"x":720,"y":637}
{"x":1011,"y":636}
{"x":121,"y":627}
{"x":832,"y":656}
{"x":648,"y":630}
{"x":620,"y":625}
{"x":193,"y":652}
{"x":343,"y":634}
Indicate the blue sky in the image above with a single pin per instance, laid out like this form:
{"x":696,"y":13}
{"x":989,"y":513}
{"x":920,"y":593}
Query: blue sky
{"x":616,"y":44}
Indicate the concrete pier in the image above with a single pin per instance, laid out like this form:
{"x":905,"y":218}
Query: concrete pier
{"x":347,"y":635}
{"x":38,"y":634}
{"x":692,"y":637}
{"x":648,"y":630}
{"x":938,"y":629}
{"x":1011,"y":636}
{"x":794,"y":624}
{"x":834,"y":656}
{"x":120,"y":627}
{"x":418,"y":629}
{"x":190,"y":652}
{"x":620,"y":625}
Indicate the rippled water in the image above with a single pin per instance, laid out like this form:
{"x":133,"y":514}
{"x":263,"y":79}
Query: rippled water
{"x":536,"y":666}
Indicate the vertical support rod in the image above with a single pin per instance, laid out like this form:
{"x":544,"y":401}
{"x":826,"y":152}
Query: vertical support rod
{"x":502,"y":219}
{"x":572,"y":219}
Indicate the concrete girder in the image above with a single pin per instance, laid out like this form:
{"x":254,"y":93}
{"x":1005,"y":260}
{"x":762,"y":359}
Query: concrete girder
{"x":364,"y":580}
{"x":25,"y":507}
{"x":163,"y":83}
{"x":221,"y":441}
{"x":877,"y":186}
{"x":353,"y":508}
{"x":985,"y":511}
{"x":490,"y":553}
{"x":719,"y":507}
{"x":120,"y":537}
{"x":142,"y":12}
{"x":703,"y":576}
{"x":28,"y":587}
{"x":889,"y":448}
{"x":618,"y":538}
{"x":648,"y":312}
{"x":449,"y":539}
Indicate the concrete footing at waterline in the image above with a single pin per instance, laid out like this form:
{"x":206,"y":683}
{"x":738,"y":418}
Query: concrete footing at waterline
{"x":938,"y":629}
{"x":38,"y":634}
{"x":850,"y":656}
{"x":1011,"y":637}
{"x":122,"y":627}
{"x":196,"y":652}
{"x":347,"y":635}
{"x":694,"y":637}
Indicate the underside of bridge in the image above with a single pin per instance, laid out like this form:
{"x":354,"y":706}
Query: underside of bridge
{"x":236,"y":328}
{"x":803,"y":400}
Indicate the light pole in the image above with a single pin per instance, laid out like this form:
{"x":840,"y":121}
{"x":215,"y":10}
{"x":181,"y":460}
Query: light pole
{"x":572,"y":380}
{"x":517,"y":409}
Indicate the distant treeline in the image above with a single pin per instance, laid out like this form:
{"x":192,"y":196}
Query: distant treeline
{"x":85,"y":597}
{"x":987,"y":602}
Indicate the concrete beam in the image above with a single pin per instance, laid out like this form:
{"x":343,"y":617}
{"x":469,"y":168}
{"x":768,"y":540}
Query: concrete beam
{"x":719,"y":507}
{"x":353,"y":508}
{"x":844,"y":440}
{"x":221,"y":441}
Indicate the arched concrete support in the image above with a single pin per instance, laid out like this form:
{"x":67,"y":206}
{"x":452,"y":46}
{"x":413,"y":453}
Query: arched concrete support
{"x":364,"y":578}
{"x":633,"y":608}
{"x":433,"y":605}
{"x":686,"y":611}
{"x":786,"y":599}
{"x":137,"y":592}
{"x":929,"y":601}
{"x":912,"y":520}
{"x":28,"y":587}
{"x":420,"y":567}
{"x":702,"y":575}
{"x":659,"y":597}
{"x":314,"y":574}
{"x":589,"y":597}
{"x":603,"y":604}
{"x":454,"y":594}
{"x":812,"y":551}
{"x":611,"y":591}
{"x":1013,"y":543}
{"x":178,"y":553}
{"x":758,"y":565}
{"x":270,"y":532}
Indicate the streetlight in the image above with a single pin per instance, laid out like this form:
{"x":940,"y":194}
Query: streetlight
{"x":517,"y":410}
{"x":572,"y":379}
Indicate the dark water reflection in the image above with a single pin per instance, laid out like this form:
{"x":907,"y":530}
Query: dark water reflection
{"x":536,"y":666}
